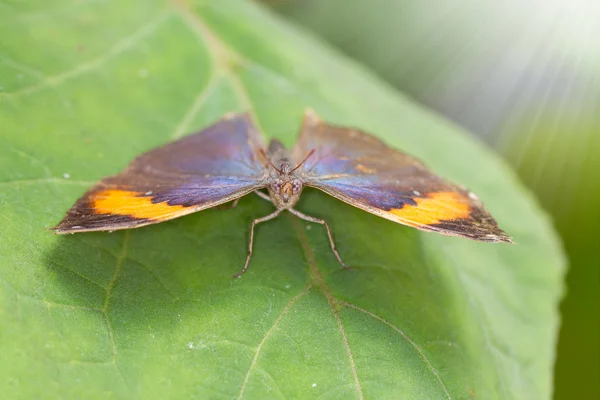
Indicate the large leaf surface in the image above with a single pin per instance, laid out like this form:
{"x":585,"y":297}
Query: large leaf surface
{"x":154,"y":313}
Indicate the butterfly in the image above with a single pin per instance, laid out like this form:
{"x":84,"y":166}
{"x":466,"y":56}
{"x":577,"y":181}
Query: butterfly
{"x":229,"y":160}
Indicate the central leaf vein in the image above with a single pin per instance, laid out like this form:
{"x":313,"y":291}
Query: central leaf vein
{"x":331,"y":300}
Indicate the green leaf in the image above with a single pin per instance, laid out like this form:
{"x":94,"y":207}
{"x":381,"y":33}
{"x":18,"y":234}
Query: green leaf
{"x":154,"y":313}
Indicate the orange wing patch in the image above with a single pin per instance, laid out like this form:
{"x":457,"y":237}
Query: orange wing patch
{"x":122,"y":202}
{"x":434,"y":209}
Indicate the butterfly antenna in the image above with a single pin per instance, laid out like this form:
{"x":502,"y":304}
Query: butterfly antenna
{"x":262,"y":151}
{"x":310,"y":153}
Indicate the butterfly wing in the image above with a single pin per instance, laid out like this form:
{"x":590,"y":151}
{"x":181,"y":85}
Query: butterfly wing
{"x":361,"y":170}
{"x":199,"y":171}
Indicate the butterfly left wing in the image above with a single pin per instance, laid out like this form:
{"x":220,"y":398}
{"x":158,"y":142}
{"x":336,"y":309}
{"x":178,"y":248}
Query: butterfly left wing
{"x":214,"y":166}
{"x":361,"y":170}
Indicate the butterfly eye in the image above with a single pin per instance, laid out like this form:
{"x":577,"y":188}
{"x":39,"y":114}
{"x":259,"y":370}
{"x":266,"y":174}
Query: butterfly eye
{"x":276,"y":187}
{"x":296,"y":186}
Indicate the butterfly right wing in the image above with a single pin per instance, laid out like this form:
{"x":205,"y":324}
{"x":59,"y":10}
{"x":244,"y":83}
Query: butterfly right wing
{"x":361,"y":170}
{"x":214,"y":166}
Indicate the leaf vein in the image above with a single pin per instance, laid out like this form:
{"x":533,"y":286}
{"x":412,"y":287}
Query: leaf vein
{"x":110,"y":288}
{"x":154,"y":275}
{"x":46,"y":180}
{"x":331,"y":300}
{"x":78,"y":274}
{"x":196,"y":106}
{"x":222,"y":55}
{"x":120,"y":47}
{"x":45,"y":302}
{"x":479,"y":312}
{"x":120,"y":259}
{"x":283,"y":312}
{"x":406,"y":337}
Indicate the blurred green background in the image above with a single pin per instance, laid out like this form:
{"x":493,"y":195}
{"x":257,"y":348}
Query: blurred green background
{"x":523,"y":76}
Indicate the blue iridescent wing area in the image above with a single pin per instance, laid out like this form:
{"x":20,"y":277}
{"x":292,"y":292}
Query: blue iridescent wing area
{"x":361,"y":170}
{"x":214,"y":166}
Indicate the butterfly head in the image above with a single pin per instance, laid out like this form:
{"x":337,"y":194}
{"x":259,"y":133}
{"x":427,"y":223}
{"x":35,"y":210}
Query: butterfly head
{"x":285,"y":187}
{"x":285,"y":184}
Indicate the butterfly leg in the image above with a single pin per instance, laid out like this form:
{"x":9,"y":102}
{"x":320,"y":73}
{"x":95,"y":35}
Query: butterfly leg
{"x":263,"y":195}
{"x":322,"y":222}
{"x":256,"y":221}
{"x":234,"y":203}
{"x":228,"y":206}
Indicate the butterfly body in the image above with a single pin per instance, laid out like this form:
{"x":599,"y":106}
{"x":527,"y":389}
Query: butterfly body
{"x":227,"y":160}
{"x":284,"y":182}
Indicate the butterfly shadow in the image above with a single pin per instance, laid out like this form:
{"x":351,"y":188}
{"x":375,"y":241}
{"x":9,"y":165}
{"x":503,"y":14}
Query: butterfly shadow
{"x":154,"y":275}
{"x":171,"y":284}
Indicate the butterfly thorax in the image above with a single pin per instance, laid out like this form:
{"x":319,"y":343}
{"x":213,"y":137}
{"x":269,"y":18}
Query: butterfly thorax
{"x":285,"y":185}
